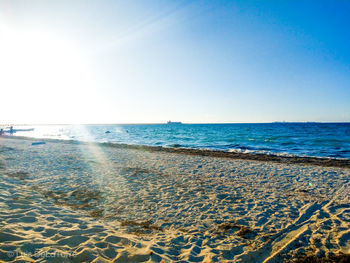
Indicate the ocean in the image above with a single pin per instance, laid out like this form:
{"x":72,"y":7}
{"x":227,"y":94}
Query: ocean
{"x":292,"y":139}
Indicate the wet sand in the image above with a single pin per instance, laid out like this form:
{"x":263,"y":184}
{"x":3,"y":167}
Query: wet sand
{"x":75,"y":202}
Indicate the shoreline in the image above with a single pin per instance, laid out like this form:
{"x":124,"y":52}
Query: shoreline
{"x":302,"y":160}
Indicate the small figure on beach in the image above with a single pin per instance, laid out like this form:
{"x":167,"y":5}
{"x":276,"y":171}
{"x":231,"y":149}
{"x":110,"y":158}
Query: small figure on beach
{"x":11,"y":130}
{"x":1,"y":131}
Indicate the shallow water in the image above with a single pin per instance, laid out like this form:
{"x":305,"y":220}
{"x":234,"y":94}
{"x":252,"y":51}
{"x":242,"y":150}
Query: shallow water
{"x":301,"y":139}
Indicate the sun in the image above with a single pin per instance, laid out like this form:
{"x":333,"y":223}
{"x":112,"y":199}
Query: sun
{"x":41,"y":74}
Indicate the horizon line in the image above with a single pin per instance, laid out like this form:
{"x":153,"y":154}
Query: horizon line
{"x":155,"y":123}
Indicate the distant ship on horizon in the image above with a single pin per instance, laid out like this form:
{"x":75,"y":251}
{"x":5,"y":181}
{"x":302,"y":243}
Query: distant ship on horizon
{"x":174,"y":122}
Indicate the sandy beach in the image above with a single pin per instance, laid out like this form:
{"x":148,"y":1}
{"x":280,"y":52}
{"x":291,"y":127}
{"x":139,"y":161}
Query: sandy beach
{"x":78,"y":202}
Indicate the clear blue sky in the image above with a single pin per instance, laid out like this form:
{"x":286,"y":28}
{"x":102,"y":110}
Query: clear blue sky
{"x":190,"y":61}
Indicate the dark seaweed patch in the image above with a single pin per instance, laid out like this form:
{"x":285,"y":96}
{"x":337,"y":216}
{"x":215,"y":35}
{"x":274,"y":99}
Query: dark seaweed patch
{"x":340,"y":258}
{"x":96,"y":213}
{"x":243,"y":231}
{"x":81,"y":198}
{"x":20,"y":175}
{"x":143,"y":227}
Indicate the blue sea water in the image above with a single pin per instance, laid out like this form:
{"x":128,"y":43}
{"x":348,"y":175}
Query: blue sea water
{"x":300,"y":139}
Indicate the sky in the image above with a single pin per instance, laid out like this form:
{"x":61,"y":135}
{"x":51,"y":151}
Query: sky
{"x":150,"y":61}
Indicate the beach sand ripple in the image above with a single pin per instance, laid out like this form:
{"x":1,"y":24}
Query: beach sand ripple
{"x":71,"y":202}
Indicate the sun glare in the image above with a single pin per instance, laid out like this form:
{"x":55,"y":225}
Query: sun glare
{"x":43,"y":72}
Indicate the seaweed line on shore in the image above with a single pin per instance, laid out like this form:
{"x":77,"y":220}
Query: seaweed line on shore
{"x":303,"y":160}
